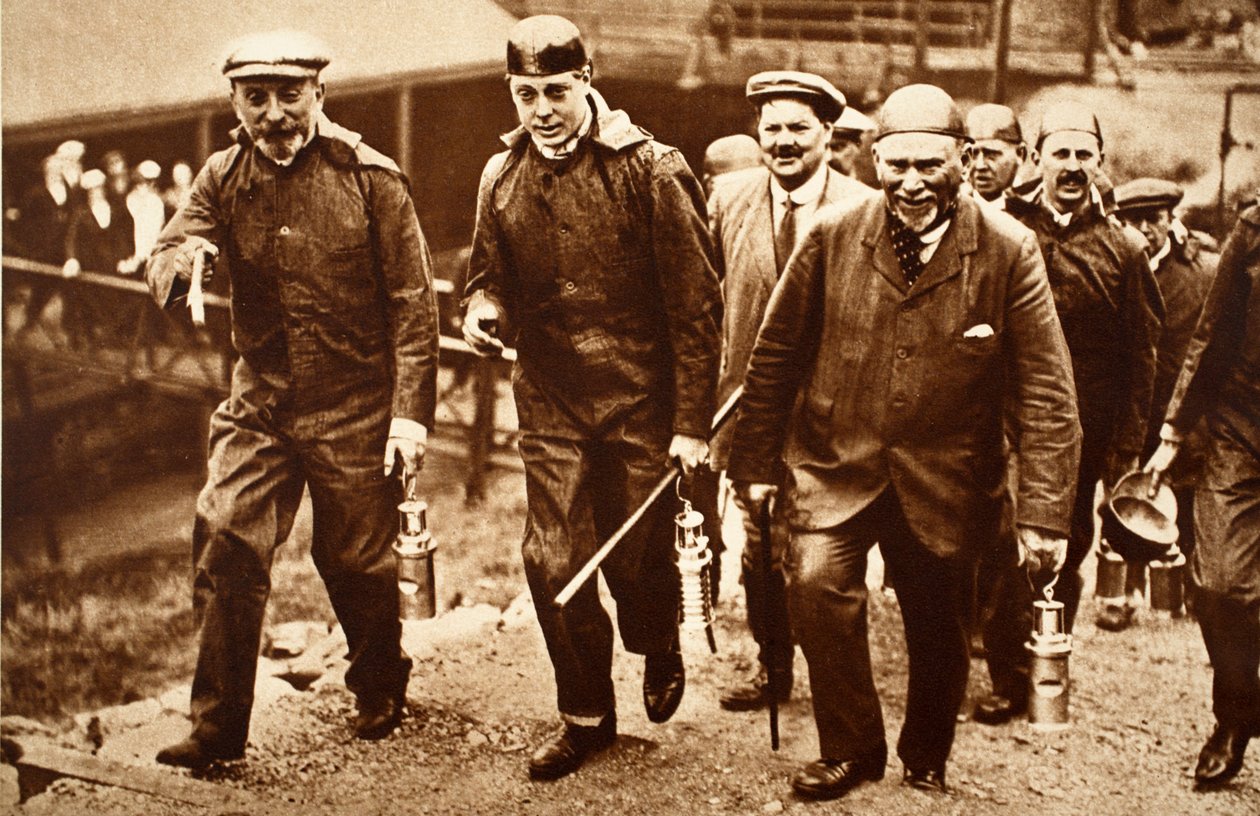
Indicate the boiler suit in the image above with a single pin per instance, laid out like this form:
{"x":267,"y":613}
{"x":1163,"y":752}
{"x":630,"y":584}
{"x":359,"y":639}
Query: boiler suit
{"x":602,"y":264}
{"x":334,"y":318}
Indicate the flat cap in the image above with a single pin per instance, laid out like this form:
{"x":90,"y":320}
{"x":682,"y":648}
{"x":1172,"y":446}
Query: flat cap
{"x":1144,"y":193}
{"x":989,"y":121}
{"x":1068,"y":116}
{"x":810,"y":88}
{"x":731,"y":153}
{"x":543,"y":45}
{"x":920,"y":109}
{"x":854,"y":121}
{"x":293,"y":54}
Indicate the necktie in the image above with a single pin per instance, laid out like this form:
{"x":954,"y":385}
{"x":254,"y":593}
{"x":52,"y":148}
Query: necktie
{"x":785,"y":237}
{"x":908,"y":246}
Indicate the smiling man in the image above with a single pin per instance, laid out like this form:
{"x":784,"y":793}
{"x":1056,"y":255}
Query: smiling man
{"x":907,"y":332}
{"x":755,"y":216}
{"x":591,"y":254}
{"x":1109,"y":305}
{"x":335,"y":321}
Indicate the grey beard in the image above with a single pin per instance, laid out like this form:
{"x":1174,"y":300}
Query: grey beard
{"x":283,"y":150}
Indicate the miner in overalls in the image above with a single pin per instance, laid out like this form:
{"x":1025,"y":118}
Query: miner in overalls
{"x":334,"y":318}
{"x":591,"y":255}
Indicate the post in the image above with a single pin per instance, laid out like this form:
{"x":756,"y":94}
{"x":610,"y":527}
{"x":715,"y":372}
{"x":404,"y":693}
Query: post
{"x":402,"y":149}
{"x":920,"y":39}
{"x":1002,"y":57}
{"x":204,"y":143}
{"x":1091,"y":37}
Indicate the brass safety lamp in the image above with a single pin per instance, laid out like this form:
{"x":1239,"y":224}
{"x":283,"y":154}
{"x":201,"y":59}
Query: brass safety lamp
{"x":413,"y":555}
{"x":1049,"y":681}
{"x":694,"y":555}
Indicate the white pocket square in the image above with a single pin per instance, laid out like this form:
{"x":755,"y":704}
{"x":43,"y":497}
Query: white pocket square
{"x":979,"y":331}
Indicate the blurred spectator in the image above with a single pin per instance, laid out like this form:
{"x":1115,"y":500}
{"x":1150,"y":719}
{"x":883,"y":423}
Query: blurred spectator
{"x":117,"y":173}
{"x":43,"y":216}
{"x":146,"y":207}
{"x":70,"y":158}
{"x":726,"y":155}
{"x":102,"y":233}
{"x":177,"y":194}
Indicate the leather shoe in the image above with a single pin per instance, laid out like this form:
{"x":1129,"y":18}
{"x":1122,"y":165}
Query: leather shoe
{"x":754,"y":693}
{"x":997,"y":709}
{"x":931,"y":780}
{"x":1222,"y":756}
{"x":377,"y":718}
{"x":565,"y":752}
{"x":1115,"y":618}
{"x":192,"y":753}
{"x":664,"y":681}
{"x":833,"y":778}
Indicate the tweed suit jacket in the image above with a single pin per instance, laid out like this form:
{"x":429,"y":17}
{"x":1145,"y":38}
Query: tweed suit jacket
{"x":742,"y":222}
{"x":865,"y":383}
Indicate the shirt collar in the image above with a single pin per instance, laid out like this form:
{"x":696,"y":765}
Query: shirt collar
{"x":935,"y":234}
{"x":1155,"y":260}
{"x":1063,"y":219}
{"x":809,"y":192}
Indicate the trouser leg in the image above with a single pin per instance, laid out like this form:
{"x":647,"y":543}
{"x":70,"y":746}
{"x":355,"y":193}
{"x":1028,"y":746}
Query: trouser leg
{"x":1082,"y":527}
{"x":641,"y":573}
{"x":559,"y":537}
{"x":766,"y":593}
{"x":354,"y":522}
{"x":1007,"y":629}
{"x":1225,"y":570}
{"x":826,"y":590}
{"x":244,"y":512}
{"x":935,"y":596}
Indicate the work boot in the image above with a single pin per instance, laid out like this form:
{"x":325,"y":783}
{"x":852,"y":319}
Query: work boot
{"x":664,"y":680}
{"x":997,"y":709}
{"x":192,"y":753}
{"x":378,"y":717}
{"x":565,"y":752}
{"x":829,"y":778}
{"x":1222,"y":756}
{"x":753,"y":693}
{"x":1115,"y":617}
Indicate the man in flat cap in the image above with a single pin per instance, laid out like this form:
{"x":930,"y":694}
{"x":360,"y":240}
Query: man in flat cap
{"x":755,"y":217}
{"x":998,"y":151}
{"x":845,"y":148}
{"x":727,"y":154}
{"x":906,"y":328}
{"x":591,"y":255}
{"x":1110,"y":309}
{"x":335,"y":321}
{"x":1184,"y":274}
{"x":1219,"y":384}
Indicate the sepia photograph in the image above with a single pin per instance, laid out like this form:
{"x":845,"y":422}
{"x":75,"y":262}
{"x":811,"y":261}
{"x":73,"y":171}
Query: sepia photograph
{"x":725,"y":407}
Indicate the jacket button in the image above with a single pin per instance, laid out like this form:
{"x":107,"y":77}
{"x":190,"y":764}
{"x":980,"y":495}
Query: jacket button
{"x":284,"y":230}
{"x":902,"y":354}
{"x":564,"y":229}
{"x":570,"y":286}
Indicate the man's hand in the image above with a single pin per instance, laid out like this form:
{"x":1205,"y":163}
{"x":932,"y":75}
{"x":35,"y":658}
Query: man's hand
{"x":187,"y":251}
{"x":1162,"y":458}
{"x":689,"y":451}
{"x":481,"y":328}
{"x":411,"y":448}
{"x":1040,"y":550}
{"x":751,"y":495}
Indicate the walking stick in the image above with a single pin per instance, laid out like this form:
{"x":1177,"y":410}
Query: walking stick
{"x":767,"y":564}
{"x":588,"y":569}
{"x":196,"y":298}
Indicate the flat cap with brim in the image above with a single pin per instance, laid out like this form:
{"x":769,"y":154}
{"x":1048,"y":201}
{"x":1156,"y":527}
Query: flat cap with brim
{"x":292,"y":54}
{"x":989,"y":121}
{"x":809,"y":88}
{"x":1068,"y":116}
{"x":543,"y":45}
{"x":920,"y":109}
{"x":854,"y":121}
{"x":1147,"y":193}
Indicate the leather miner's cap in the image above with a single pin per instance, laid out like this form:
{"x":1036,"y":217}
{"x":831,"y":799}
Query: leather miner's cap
{"x":809,"y":88}
{"x":285,"y":54}
{"x":1147,"y":193}
{"x":544,"y":45}
{"x":920,"y":109}
{"x":1069,"y":116}
{"x":989,"y":121}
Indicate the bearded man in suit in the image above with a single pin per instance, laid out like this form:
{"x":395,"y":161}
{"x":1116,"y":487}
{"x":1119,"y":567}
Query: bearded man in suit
{"x":902,"y":333}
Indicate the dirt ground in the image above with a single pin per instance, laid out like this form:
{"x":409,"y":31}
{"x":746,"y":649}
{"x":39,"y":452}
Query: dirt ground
{"x":480,"y":699}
